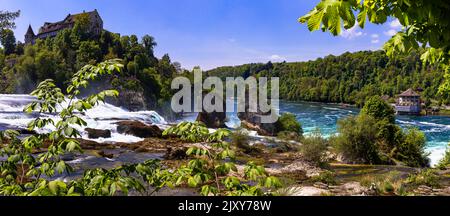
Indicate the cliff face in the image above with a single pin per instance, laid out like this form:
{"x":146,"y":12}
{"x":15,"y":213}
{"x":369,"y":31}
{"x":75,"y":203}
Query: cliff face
{"x":131,"y":100}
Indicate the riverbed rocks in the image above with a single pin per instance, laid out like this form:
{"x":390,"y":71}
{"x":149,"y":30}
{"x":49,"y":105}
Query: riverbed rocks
{"x":139,"y":129}
{"x":97,"y":133}
{"x":154,"y":144}
{"x":213,"y":119}
{"x":252,"y":120}
{"x":251,"y":123}
{"x":298,"y":166}
{"x":320,"y":189}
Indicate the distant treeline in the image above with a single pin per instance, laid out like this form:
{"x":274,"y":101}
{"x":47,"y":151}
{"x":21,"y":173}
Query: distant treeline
{"x":348,"y":78}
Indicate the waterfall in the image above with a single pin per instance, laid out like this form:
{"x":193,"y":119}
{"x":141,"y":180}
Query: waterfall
{"x":103,"y":116}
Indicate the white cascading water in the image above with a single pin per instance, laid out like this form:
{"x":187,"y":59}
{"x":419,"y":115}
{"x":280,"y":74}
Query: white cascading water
{"x":102,"y":116}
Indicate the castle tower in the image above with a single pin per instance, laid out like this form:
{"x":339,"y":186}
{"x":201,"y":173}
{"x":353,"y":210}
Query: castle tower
{"x":29,"y":36}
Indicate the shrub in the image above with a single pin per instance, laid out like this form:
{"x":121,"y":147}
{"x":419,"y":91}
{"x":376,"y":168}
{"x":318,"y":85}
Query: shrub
{"x":288,"y":122}
{"x":326,"y":177}
{"x":379,"y":109}
{"x":356,"y":139}
{"x":388,"y":183}
{"x":240,"y":139}
{"x":314,"y":148}
{"x":288,"y":135}
{"x":445,"y":162}
{"x":389,"y":135}
{"x":426,"y":177}
{"x":411,"y":150}
{"x":188,"y":131}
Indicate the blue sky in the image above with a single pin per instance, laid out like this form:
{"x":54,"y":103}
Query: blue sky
{"x":212,"y":33}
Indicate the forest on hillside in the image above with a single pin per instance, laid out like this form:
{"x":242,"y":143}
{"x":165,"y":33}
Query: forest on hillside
{"x":348,"y":78}
{"x":146,"y":78}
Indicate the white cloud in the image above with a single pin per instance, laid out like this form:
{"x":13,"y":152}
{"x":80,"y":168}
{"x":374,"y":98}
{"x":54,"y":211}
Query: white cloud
{"x":374,"y":36}
{"x":395,"y":24}
{"x":374,"y":41}
{"x":391,"y":32}
{"x":276,"y":58}
{"x":352,"y":33}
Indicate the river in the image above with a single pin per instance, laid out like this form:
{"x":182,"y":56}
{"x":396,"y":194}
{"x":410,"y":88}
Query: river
{"x":325,"y":116}
{"x":311,"y":115}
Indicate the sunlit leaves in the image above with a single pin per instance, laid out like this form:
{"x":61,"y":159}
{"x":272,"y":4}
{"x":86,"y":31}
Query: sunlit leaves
{"x":399,"y":43}
{"x":21,"y":172}
{"x":327,"y":15}
{"x":188,"y":131}
{"x":424,"y":22}
{"x":212,"y":167}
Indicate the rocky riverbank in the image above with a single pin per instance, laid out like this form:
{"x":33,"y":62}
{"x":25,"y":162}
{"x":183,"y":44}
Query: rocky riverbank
{"x":281,"y":159}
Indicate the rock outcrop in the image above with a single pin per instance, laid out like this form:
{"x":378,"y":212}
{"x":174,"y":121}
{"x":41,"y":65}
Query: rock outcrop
{"x":132,"y":100}
{"x":252,"y":121}
{"x":97,"y":133}
{"x":139,"y":129}
{"x":213,"y":119}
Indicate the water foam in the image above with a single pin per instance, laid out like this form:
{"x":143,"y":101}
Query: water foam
{"x":103,"y":116}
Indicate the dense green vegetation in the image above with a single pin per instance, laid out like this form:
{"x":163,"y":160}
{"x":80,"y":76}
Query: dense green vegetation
{"x":426,"y":25}
{"x":22,"y":67}
{"x":373,"y":137}
{"x":348,"y":78}
{"x":211,"y":168}
{"x":314,"y":148}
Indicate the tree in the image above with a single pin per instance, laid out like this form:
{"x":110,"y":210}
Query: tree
{"x":149,"y":44}
{"x":288,"y":122}
{"x":88,"y":52}
{"x":356,"y":139}
{"x":165,"y":66}
{"x":379,"y":109}
{"x":426,"y":24}
{"x":7,"y":19}
{"x":8,"y":41}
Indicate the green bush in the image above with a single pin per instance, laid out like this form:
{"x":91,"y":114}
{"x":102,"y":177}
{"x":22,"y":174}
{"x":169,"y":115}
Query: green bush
{"x":379,"y":109}
{"x":385,"y":184}
{"x":445,"y":162}
{"x":288,"y":122}
{"x":411,"y":150}
{"x":326,"y":177}
{"x":188,"y":131}
{"x":373,"y":137}
{"x":287,"y":135}
{"x":314,"y":148}
{"x":357,"y":139}
{"x":426,"y":177}
{"x":240,"y":139}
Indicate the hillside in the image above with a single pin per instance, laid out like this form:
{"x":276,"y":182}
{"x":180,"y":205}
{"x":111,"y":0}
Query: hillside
{"x":348,"y":78}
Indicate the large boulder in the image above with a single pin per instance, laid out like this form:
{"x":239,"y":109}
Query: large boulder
{"x":252,"y":121}
{"x":139,"y":129}
{"x":132,"y":100}
{"x":97,"y":133}
{"x":213,"y":119}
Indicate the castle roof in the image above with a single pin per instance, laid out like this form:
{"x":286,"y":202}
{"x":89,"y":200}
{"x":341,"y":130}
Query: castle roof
{"x":409,"y":93}
{"x":30,"y":30}
{"x":70,"y":19}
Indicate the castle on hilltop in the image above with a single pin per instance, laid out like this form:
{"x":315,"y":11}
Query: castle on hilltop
{"x":52,"y":29}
